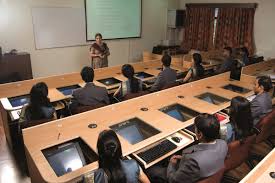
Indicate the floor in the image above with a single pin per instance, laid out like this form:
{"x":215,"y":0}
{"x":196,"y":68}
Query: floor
{"x":10,"y":172}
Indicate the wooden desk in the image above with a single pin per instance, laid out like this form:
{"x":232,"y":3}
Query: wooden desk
{"x":46,"y":135}
{"x":260,"y":174}
{"x":258,"y":68}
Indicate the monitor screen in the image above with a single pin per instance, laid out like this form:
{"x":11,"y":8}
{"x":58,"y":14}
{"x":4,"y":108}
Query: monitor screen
{"x":131,"y":133}
{"x":191,"y":128}
{"x":66,"y":159}
{"x":109,"y":81}
{"x":19,"y":101}
{"x":68,"y":90}
{"x":176,"y":114}
{"x":143,"y":75}
{"x":237,"y":89}
{"x":208,"y":99}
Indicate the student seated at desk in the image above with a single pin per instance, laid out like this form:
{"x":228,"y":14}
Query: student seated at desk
{"x":39,"y":107}
{"x":245,"y":54}
{"x":90,"y":94}
{"x":196,"y":70}
{"x":132,"y":85}
{"x":198,"y":161}
{"x":240,"y":125}
{"x":165,"y":77}
{"x":227,"y":63}
{"x":110,"y":160}
{"x":262,"y":103}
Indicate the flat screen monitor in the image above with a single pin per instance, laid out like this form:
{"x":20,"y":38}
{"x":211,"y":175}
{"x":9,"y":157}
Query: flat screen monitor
{"x":143,"y":75}
{"x":134,"y":130}
{"x":19,"y":101}
{"x":212,"y":98}
{"x":179,"y":112}
{"x":236,"y":71}
{"x":65,"y":158}
{"x":68,"y":90}
{"x":236,"y":89}
{"x":109,"y":81}
{"x":191,"y":128}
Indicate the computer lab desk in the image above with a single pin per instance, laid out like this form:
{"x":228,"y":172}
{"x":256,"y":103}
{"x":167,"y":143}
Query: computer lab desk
{"x":11,"y":114}
{"x":262,"y":68}
{"x":261,"y":173}
{"x":145,"y":108}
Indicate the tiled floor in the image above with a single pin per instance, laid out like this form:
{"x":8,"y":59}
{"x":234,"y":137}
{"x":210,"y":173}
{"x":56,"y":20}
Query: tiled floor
{"x":9,"y":169}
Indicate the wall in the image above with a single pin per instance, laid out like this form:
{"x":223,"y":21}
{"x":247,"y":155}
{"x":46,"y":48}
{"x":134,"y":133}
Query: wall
{"x":264,"y":26}
{"x":16,"y":32}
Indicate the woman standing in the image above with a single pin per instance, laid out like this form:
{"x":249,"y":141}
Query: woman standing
{"x":99,"y":53}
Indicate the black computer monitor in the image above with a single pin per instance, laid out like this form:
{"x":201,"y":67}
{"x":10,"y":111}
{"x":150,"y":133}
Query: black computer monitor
{"x":236,"y":89}
{"x":109,"y":81}
{"x":19,"y":100}
{"x":179,"y":112}
{"x":143,"y":75}
{"x":236,"y":71}
{"x":66,"y":158}
{"x":68,"y":90}
{"x":212,"y":98}
{"x":134,"y":130}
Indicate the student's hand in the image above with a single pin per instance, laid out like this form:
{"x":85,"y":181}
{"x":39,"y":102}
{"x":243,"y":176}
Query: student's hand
{"x":174,"y":159}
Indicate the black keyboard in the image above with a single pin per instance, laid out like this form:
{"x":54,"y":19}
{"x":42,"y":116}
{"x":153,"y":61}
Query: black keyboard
{"x":157,"y":151}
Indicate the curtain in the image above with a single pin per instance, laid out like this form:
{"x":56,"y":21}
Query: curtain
{"x":199,"y":28}
{"x":235,"y":28}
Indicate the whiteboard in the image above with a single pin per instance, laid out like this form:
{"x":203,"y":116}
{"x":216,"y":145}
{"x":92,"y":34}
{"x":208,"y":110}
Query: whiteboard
{"x":58,"y":27}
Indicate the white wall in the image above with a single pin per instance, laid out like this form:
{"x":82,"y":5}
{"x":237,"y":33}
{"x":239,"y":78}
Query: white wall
{"x":16,"y":32}
{"x":264,"y":26}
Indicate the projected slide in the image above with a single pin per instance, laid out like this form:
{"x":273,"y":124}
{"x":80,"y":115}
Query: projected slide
{"x":113,"y":18}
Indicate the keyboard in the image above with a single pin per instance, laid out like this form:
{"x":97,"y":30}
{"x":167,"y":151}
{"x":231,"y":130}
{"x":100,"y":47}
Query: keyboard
{"x":157,"y":151}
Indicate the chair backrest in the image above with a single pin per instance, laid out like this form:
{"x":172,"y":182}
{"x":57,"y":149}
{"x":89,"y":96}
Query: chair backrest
{"x":31,"y":123}
{"x":170,"y":85}
{"x":84,"y":108}
{"x":266,"y":126}
{"x":216,"y":178}
{"x":238,"y":152}
{"x":134,"y":95}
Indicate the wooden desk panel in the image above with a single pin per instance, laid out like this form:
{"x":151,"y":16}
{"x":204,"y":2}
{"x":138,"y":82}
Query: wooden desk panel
{"x":260,"y":174}
{"x":259,"y":67}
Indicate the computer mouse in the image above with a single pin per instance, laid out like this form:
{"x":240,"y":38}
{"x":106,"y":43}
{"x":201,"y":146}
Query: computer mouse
{"x":176,"y":139}
{"x":272,"y":174}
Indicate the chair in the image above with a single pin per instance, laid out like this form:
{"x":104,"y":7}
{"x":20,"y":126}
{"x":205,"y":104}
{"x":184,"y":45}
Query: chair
{"x":84,"y":108}
{"x":238,"y":153}
{"x":134,"y":95}
{"x":267,"y":128}
{"x":216,"y":178}
{"x":170,"y":85}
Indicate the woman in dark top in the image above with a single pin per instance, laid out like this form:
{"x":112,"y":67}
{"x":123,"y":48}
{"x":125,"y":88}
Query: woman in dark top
{"x":240,"y":125}
{"x":39,"y":106}
{"x":196,"y":71}
{"x":110,"y":160}
{"x":132,"y":85}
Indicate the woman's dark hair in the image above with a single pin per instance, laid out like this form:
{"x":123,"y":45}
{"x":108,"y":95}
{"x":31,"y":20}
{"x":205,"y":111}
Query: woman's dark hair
{"x":265,"y":82}
{"x":128,"y":71}
{"x":208,"y":125}
{"x":240,"y":116}
{"x":245,"y":50}
{"x":110,"y":155}
{"x":198,"y":60}
{"x":98,"y":34}
{"x":87,"y":74}
{"x":38,"y":99}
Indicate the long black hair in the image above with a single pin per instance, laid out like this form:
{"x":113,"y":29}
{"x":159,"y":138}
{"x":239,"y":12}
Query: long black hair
{"x":197,"y":63}
{"x":38,"y":98}
{"x":128,"y":71}
{"x":110,"y":155}
{"x":240,"y":116}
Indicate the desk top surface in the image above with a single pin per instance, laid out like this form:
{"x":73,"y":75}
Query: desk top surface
{"x":46,"y":135}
